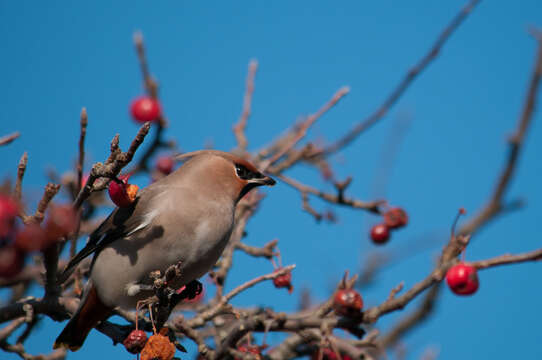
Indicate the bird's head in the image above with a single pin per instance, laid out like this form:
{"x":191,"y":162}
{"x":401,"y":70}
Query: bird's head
{"x":224,"y":172}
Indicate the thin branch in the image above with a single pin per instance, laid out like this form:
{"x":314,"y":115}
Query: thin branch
{"x":48,"y":194}
{"x":21,"y":168}
{"x":81,"y":160}
{"x":515,"y":142}
{"x":206,"y":315}
{"x":414,"y":318}
{"x":301,"y":129}
{"x":493,"y":208}
{"x":255,"y":281}
{"x":150,"y":84}
{"x":508,"y":259}
{"x":372,"y":206}
{"x":9,"y":138}
{"x":117,"y":160}
{"x":267,"y":251}
{"x":239,"y":128}
{"x":400,"y":89}
{"x":10,"y":328}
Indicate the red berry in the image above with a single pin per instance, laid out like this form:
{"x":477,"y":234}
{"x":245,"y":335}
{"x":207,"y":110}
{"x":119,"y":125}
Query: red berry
{"x":145,"y":109}
{"x":31,"y":238}
{"x":135,"y":341}
{"x":347,"y":302}
{"x":62,"y":221}
{"x":462,"y":279}
{"x":395,"y":218}
{"x":11,"y":261}
{"x":165,"y":164}
{"x":380,"y":234}
{"x":122,"y":194}
{"x":9,"y":208}
{"x":284,"y":281}
{"x":251,"y":349}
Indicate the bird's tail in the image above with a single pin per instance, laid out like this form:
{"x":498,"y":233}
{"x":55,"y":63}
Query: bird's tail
{"x":90,"y":313}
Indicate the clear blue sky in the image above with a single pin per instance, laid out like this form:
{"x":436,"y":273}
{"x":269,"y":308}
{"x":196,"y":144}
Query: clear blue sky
{"x":60,"y":56}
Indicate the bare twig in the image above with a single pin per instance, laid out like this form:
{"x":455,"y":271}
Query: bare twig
{"x":515,"y":143}
{"x":372,"y":206}
{"x":208,"y":314}
{"x":267,"y":251}
{"x":81,"y":160}
{"x":239,"y":128}
{"x":150,"y":84}
{"x":9,"y":138}
{"x":117,"y":160}
{"x":21,"y":168}
{"x":301,"y":130}
{"x":10,"y":328}
{"x":50,"y":191}
{"x":508,"y":259}
{"x":405,"y":82}
{"x":493,"y":208}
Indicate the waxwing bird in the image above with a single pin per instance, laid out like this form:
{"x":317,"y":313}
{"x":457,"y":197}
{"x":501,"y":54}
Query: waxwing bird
{"x":186,"y":217}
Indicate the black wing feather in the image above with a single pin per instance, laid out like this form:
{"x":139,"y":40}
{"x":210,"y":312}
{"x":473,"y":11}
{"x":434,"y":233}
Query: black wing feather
{"x":117,"y":225}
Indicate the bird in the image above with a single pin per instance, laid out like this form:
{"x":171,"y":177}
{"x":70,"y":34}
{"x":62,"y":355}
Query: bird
{"x":184,"y":218}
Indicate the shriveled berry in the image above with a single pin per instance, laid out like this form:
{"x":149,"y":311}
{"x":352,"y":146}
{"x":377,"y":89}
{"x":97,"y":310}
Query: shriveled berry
{"x":11,"y":261}
{"x":62,"y":220}
{"x":165,"y":164}
{"x":158,"y":347}
{"x":135,"y":341}
{"x":462,"y":279}
{"x":395,"y":218}
{"x":284,"y":281}
{"x":9,"y":208}
{"x":380,"y":234}
{"x":122,"y":194}
{"x":145,"y":109}
{"x":32,"y":238}
{"x":347,"y":302}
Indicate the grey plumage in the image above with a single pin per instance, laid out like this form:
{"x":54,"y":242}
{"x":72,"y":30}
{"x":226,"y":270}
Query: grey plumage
{"x":187,"y":216}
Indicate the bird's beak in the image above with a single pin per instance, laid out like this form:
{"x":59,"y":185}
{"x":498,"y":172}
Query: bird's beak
{"x":265,"y":180}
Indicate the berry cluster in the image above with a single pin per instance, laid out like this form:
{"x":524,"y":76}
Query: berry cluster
{"x":16,"y":242}
{"x":394,"y":218}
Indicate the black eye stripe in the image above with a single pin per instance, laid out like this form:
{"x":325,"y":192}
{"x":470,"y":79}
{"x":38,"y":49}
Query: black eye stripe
{"x":245,"y":173}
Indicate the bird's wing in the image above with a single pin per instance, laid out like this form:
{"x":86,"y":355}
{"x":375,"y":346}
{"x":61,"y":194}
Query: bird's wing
{"x":120,"y":223}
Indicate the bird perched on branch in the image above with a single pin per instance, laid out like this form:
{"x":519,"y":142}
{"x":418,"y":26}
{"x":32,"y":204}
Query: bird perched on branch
{"x":186,"y":217}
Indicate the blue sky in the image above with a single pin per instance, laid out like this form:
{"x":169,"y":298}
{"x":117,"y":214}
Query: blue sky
{"x":61,"y":56}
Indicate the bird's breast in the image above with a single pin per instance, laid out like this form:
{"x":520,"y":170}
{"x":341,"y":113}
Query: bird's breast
{"x":195,"y":239}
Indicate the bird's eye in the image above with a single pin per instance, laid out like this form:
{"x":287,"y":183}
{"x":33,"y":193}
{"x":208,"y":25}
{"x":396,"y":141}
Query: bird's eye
{"x":243,"y":172}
